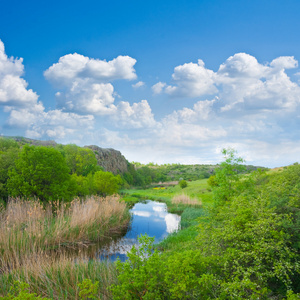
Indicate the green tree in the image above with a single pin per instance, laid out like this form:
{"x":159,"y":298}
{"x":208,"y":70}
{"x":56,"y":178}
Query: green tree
{"x":183,"y":184}
{"x":226,"y":176}
{"x":9,"y":150}
{"x":81,"y":161}
{"x":41,"y":172}
{"x":106,"y":183}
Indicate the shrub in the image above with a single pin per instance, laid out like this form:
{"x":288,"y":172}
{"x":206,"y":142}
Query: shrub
{"x":183,"y":184}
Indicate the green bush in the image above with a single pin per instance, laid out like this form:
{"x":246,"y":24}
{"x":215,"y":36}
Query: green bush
{"x":20,"y":291}
{"x":40,"y":172}
{"x":183,"y":184}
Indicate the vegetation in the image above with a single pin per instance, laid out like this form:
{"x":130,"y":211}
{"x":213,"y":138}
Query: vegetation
{"x":183,"y":184}
{"x":52,"y":173}
{"x":246,"y":245}
{"x":240,"y":236}
{"x":34,"y":242}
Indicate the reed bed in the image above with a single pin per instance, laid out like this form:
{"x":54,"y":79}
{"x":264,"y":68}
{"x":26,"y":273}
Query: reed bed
{"x":186,"y":200}
{"x":57,"y":277}
{"x":27,"y":229}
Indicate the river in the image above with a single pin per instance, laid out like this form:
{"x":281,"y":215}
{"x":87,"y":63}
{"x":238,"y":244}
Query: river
{"x":148,"y":217}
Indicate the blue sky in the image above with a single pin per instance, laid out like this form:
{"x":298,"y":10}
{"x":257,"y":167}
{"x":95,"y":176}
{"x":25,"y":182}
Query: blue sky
{"x":161,"y":81}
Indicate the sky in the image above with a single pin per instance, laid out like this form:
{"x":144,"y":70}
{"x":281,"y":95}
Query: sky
{"x":160,"y":81}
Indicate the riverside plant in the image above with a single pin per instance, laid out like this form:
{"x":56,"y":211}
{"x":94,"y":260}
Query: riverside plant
{"x":27,"y":229}
{"x":61,"y":278}
{"x":186,"y":200}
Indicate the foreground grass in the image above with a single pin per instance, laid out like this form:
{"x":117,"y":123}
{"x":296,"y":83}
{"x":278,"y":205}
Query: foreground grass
{"x":58,"y":277}
{"x":34,"y":240}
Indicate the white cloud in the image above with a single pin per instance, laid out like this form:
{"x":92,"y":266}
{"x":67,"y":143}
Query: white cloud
{"x":192,"y":80}
{"x":138,"y":84}
{"x":13,"y":88}
{"x":242,"y":84}
{"x":201,"y":111}
{"x":86,"y":97}
{"x":73,"y":66}
{"x":284,"y":62}
{"x":137,"y":115}
{"x":241,"y":65}
{"x":158,"y":87}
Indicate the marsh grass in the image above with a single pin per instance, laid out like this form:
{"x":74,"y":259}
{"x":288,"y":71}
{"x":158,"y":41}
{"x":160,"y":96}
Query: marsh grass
{"x":27,"y":229}
{"x":57,"y":276}
{"x":186,"y":200}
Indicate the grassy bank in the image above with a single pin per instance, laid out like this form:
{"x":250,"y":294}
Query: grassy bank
{"x":198,"y":189}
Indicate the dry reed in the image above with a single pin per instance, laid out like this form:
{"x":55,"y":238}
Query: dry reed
{"x":57,"y":276}
{"x":185,"y":199}
{"x":27,"y":229}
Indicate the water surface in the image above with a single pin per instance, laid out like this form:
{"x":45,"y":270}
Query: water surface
{"x":149,"y":217}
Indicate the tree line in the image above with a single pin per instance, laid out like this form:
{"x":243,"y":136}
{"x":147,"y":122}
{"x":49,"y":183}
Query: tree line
{"x":52,"y":173}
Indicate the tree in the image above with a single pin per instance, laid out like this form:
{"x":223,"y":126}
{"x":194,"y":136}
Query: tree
{"x":81,"y":161}
{"x":183,"y":184}
{"x":106,"y":183}
{"x":227,"y":175}
{"x":9,"y":150}
{"x":41,"y":172}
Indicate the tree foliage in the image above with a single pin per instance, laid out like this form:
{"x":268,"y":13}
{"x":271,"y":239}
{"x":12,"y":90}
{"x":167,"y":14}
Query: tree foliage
{"x":106,"y":183}
{"x":81,"y":161}
{"x":41,"y":172}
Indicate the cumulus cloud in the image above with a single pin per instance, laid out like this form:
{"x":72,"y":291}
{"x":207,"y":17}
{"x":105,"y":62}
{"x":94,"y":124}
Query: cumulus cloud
{"x":201,"y":111}
{"x":54,"y":124}
{"x":138,"y":84}
{"x":85,"y":97}
{"x":73,"y":66}
{"x":13,"y":88}
{"x":191,"y":80}
{"x":241,"y":83}
{"x":85,"y":89}
{"x":137,"y":115}
{"x":158,"y":87}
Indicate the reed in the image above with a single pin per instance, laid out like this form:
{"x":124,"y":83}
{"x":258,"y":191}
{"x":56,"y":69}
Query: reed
{"x":27,"y":229}
{"x":57,"y":276}
{"x":186,"y":200}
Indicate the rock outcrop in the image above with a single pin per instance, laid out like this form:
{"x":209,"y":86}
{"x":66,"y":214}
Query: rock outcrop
{"x":110,"y":159}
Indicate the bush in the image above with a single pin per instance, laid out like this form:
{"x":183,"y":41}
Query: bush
{"x":183,"y":184}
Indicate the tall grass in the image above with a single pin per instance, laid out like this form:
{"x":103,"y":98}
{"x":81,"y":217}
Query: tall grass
{"x":185,"y":199}
{"x":57,"y":277}
{"x":28,"y":230}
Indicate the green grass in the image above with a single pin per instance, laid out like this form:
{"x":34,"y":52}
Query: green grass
{"x":59,"y":280}
{"x":195,"y":189}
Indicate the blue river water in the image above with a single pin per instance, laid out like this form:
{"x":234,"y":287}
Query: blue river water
{"x":148,"y":217}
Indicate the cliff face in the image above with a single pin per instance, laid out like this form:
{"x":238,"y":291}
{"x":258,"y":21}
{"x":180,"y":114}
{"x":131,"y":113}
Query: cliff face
{"x":111,"y":160}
